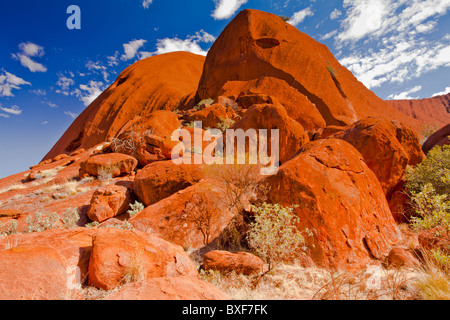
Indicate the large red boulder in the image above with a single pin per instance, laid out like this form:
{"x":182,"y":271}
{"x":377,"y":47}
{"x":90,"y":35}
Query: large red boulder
{"x":191,"y":218}
{"x":260,"y":52}
{"x":163,"y":82}
{"x":161,"y":179}
{"x":108,"y":202}
{"x":49,"y":265}
{"x":108,"y":164}
{"x":338,"y":198}
{"x":387,"y":147}
{"x":240,"y":262}
{"x":120,"y":255}
{"x":173,"y":288}
{"x":292,"y":136}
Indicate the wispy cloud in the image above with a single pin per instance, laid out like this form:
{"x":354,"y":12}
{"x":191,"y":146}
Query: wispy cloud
{"x":15,"y":110}
{"x":30,"y":50}
{"x":87,"y":93}
{"x":10,"y":82}
{"x":300,"y":16}
{"x":446,"y":90}
{"x":190,"y":44}
{"x":65,"y":82}
{"x":146,"y":3}
{"x":335,"y":14}
{"x":386,"y":39}
{"x":70,"y":114}
{"x":406,"y":95}
{"x":226,"y":8}
{"x":131,"y":49}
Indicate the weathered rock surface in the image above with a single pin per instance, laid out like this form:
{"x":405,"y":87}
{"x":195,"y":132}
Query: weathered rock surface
{"x":341,"y":200}
{"x":110,"y":164}
{"x":260,"y":52}
{"x":173,"y":288}
{"x":162,"y":82}
{"x":161,"y":179}
{"x":292,"y":136}
{"x":108,"y":202}
{"x":191,"y":218}
{"x":118,"y":254}
{"x":240,"y":262}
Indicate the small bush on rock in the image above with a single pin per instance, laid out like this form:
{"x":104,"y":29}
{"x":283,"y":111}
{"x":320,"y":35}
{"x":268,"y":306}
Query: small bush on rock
{"x":274,"y":234}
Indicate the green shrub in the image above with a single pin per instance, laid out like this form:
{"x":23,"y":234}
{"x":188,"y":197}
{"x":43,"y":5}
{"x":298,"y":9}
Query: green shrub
{"x":274,"y":234}
{"x":135,"y":208}
{"x":41,"y":221}
{"x":70,"y":218}
{"x":204,"y":101}
{"x":434,"y":170}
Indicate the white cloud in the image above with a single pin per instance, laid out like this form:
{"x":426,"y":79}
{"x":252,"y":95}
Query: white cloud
{"x":9,"y":82}
{"x":336,"y":13}
{"x":131,"y":49}
{"x":146,"y":3}
{"x":329,"y":35}
{"x":113,"y":60}
{"x":385,"y":38}
{"x":39,"y":92}
{"x":405,"y":95}
{"x":29,"y":50}
{"x":15,"y":110}
{"x":44,"y":122}
{"x":4,"y":115}
{"x":64,"y":82}
{"x":89,"y":92}
{"x":301,"y":15}
{"x":70,"y":114}
{"x":190,"y":44}
{"x":446,"y":90}
{"x":98,"y":68}
{"x":226,"y":8}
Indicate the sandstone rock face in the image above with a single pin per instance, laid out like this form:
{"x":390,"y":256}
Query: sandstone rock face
{"x":434,"y":110}
{"x":113,"y":164}
{"x":400,"y":257}
{"x":211,"y":116}
{"x":341,"y":200}
{"x":191,"y":218}
{"x":32,"y":274}
{"x":108,"y":202}
{"x":160,"y":180}
{"x":439,"y":138}
{"x":385,"y":154}
{"x":49,"y":265}
{"x":266,"y":116}
{"x":260,"y":52}
{"x":163,"y":82}
{"x":174,"y":288}
{"x":240,"y":262}
{"x":118,"y":254}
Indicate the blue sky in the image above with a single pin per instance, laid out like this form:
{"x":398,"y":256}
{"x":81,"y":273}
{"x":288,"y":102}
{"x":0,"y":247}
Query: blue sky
{"x":49,"y":74}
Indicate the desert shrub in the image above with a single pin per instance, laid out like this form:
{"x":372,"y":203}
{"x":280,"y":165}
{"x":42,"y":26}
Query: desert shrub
{"x":41,"y":221}
{"x":225,"y":124}
{"x":135,"y":208}
{"x":8,"y":230}
{"x":70,"y":218}
{"x":274,"y":234}
{"x":285,"y":18}
{"x":434,"y":170}
{"x":92,"y":224}
{"x":106,"y":173}
{"x":428,"y":130}
{"x":204,"y":101}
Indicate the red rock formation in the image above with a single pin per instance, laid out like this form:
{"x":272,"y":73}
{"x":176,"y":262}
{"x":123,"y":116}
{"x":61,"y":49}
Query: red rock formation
{"x":112,"y":164}
{"x":108,"y":202}
{"x":240,"y":262}
{"x":260,"y":53}
{"x":434,"y":110}
{"x":162,"y":179}
{"x":173,"y":288}
{"x":117,"y":254}
{"x":266,"y":116}
{"x":341,"y":200}
{"x":163,"y":82}
{"x":191,"y":218}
